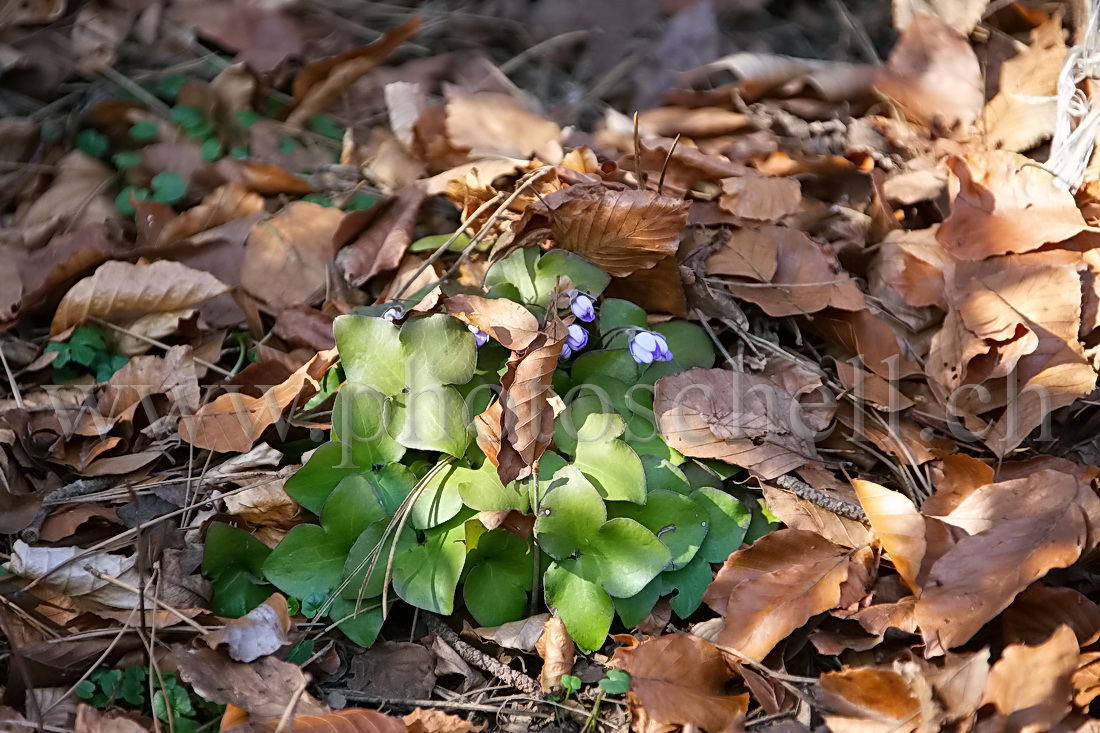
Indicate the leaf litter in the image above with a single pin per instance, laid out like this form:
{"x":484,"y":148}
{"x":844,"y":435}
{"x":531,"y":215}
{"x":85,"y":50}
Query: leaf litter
{"x":902,"y":295}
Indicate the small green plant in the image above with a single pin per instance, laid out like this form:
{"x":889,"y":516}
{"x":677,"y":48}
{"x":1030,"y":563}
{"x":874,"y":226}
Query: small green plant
{"x":129,"y":688}
{"x":622,"y":519}
{"x":86,"y":352}
{"x":570,"y":684}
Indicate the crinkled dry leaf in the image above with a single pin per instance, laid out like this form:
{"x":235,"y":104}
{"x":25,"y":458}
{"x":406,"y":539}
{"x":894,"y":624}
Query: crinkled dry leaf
{"x":122,"y":287}
{"x":808,"y":278}
{"x":898,"y":526}
{"x":516,"y":429}
{"x":145,"y":376}
{"x":375,"y":240}
{"x":1041,"y":609}
{"x":1024,"y":111}
{"x":878,"y":697}
{"x":760,"y":198}
{"x":1031,"y":685}
{"x":557,"y":651}
{"x":437,"y":721}
{"x":1012,"y":533}
{"x":79,"y":195}
{"x":235,"y":421}
{"x":59,"y":571}
{"x":262,"y":631}
{"x":509,"y":323}
{"x":773,"y":587}
{"x":933,"y":75}
{"x":962,"y":15}
{"x":496,"y":124}
{"x":621,"y":231}
{"x":1004,"y":202}
{"x":321,"y":83}
{"x":263,"y":178}
{"x":348,"y":720}
{"x":739,"y":418}
{"x":678,"y":680}
{"x":521,"y":635}
{"x":798,"y":513}
{"x":287,"y":256}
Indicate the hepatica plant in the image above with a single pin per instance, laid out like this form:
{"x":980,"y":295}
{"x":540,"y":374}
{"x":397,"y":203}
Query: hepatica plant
{"x":409,"y":506}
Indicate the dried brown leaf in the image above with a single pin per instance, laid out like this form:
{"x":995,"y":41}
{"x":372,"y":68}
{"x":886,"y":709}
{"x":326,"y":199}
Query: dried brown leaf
{"x":557,"y":651}
{"x":263,"y":178}
{"x":760,"y":198}
{"x":740,"y":418}
{"x":1031,"y":685}
{"x":621,"y":231}
{"x":773,"y":587}
{"x":321,"y":83}
{"x":261,"y":631}
{"x":348,"y":720}
{"x":437,"y":721}
{"x":375,"y":240}
{"x":520,"y":635}
{"x":491,"y":124}
{"x":509,"y":323}
{"x":287,"y":256}
{"x":866,"y":698}
{"x":235,"y":421}
{"x":898,"y":526}
{"x":122,"y":287}
{"x":1041,"y":609}
{"x":798,"y":513}
{"x":933,"y":75}
{"x":1012,"y":533}
{"x":678,"y":680}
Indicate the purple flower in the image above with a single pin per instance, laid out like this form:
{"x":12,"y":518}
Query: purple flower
{"x":575,"y":340}
{"x":480,"y":337}
{"x":583,"y":305}
{"x":393,"y":313}
{"x":647,"y":347}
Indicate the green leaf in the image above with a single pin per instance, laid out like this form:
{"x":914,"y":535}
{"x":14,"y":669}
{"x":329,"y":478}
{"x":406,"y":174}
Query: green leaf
{"x":187,"y":115}
{"x":318,"y":198}
{"x":123,"y":203}
{"x":615,"y":682}
{"x":661,"y":474}
{"x":360,"y":201}
{"x":85,"y":690}
{"x":126,"y":160}
{"x":516,"y":270}
{"x":325,"y":125}
{"x":246,"y":117}
{"x":168,"y":187}
{"x":240,"y":152}
{"x":363,"y":552}
{"x":359,"y":421}
{"x":482,"y":490}
{"x":610,"y":464}
{"x":615,"y":313}
{"x":310,"y":558}
{"x":560,"y":263}
{"x":573,"y":522}
{"x":574,"y":593}
{"x":677,"y":521}
{"x":570,"y":683}
{"x":143,"y":131}
{"x":428,"y":564}
{"x":233,"y":560}
{"x":300,"y":652}
{"x":439,"y":500}
{"x":91,"y":142}
{"x":311,"y":485}
{"x":498,"y":578}
{"x":615,"y":363}
{"x":89,"y":336}
{"x":633,"y":610}
{"x":435,"y":241}
{"x":371,"y":352}
{"x":107,"y":364}
{"x":133,"y":686}
{"x":361,"y":628}
{"x":439,"y":350}
{"x":689,"y":583}
{"x":728,"y":521}
{"x":212,"y":149}
{"x":169,"y":86}
{"x":432,"y":418}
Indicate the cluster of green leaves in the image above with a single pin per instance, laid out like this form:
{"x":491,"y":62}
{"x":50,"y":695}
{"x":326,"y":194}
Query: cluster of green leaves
{"x":192,"y":123}
{"x":622,"y":518}
{"x":129,"y":688}
{"x":86,"y":352}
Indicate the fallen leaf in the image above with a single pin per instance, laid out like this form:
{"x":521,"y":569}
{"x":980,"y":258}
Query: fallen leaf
{"x":509,"y":323}
{"x":321,"y":83}
{"x":394,"y":669}
{"x":521,"y":635}
{"x":516,"y":429}
{"x":1024,"y":110}
{"x":267,"y":179}
{"x":260,"y":632}
{"x":235,"y":421}
{"x":898,"y":526}
{"x":265,"y":36}
{"x":1031,"y":685}
{"x":1086,"y":679}
{"x":934,"y":76}
{"x":286,"y":258}
{"x":57,"y":568}
{"x":808,"y":278}
{"x":678,"y":680}
{"x":491,"y":124}
{"x":90,"y":720}
{"x":760,"y":198}
{"x":864,"y":697}
{"x":375,"y":240}
{"x":773,"y":587}
{"x":79,"y":195}
{"x":348,"y":720}
{"x":1013,"y":533}
{"x":621,"y":231}
{"x":739,"y":418}
{"x":64,"y":522}
{"x":122,"y":287}
{"x":437,"y":721}
{"x":557,"y":651}
{"x":1041,"y":609}
{"x":798,"y":513}
{"x":1003,"y":202}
